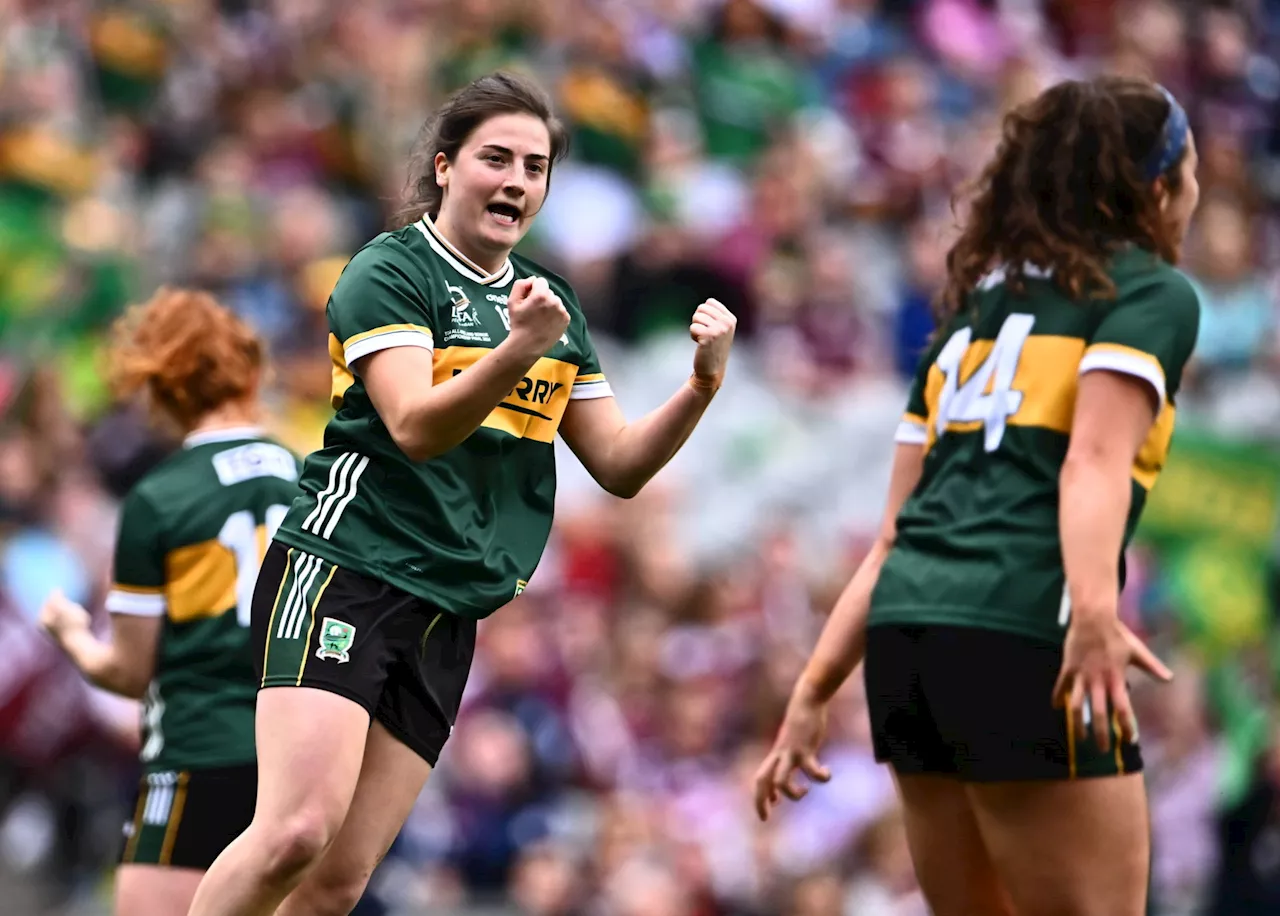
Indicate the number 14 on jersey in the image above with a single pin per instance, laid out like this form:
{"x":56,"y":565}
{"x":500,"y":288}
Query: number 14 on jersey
{"x":987,"y":395}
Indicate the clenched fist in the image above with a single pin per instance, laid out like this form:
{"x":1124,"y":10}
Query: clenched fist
{"x":712,"y":330}
{"x":538,"y":317}
{"x":60,"y":615}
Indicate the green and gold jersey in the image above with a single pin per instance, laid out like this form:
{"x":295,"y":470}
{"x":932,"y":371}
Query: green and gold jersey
{"x":464,"y":530}
{"x":977,"y":541}
{"x":192,"y":536}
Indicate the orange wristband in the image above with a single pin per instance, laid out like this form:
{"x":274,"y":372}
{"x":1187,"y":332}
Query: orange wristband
{"x":698,"y":384}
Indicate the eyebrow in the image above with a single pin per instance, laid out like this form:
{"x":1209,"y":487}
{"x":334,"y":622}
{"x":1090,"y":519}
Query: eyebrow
{"x":506,"y":152}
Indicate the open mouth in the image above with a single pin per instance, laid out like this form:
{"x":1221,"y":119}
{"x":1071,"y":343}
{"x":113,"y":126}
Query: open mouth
{"x":506,"y":214}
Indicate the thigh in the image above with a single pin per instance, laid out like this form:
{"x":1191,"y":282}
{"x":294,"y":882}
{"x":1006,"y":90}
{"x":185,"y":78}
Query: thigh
{"x":991,"y":695}
{"x":318,"y":625}
{"x":903,"y":730}
{"x":952,"y":865}
{"x":432,"y":660}
{"x":391,"y":779}
{"x":310,"y":745}
{"x":155,"y":890}
{"x":184,"y":819}
{"x":1068,"y":847}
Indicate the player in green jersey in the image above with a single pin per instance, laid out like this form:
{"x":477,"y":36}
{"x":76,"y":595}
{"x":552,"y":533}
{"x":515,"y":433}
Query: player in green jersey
{"x":987,"y":610}
{"x":192,"y":535}
{"x":455,"y":363}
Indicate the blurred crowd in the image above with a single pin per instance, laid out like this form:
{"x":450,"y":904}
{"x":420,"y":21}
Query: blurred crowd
{"x":794,"y":159}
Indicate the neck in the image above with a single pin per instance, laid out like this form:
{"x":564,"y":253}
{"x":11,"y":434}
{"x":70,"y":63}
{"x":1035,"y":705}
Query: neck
{"x":486,"y":261}
{"x":227,"y":416}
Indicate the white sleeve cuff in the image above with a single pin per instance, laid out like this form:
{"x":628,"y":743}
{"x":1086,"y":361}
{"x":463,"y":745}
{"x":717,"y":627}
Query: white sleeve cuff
{"x":1141,"y":367}
{"x":386,"y":341}
{"x":583,"y":391}
{"x":136,"y":604}
{"x":911,"y":433}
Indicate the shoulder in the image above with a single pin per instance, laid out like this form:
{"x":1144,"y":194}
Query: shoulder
{"x":389,"y":255}
{"x":1141,"y":276}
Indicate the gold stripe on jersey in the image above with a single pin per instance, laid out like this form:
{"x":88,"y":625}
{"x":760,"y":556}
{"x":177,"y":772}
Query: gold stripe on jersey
{"x":201,"y":581}
{"x":342,"y":376}
{"x":589,"y":378}
{"x":534,"y":408}
{"x":1155,"y":449}
{"x":138,"y":589}
{"x":1048,"y":378}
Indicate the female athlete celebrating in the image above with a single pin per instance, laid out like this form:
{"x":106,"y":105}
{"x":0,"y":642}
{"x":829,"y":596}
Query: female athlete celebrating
{"x":987,"y":610}
{"x":456,"y":363}
{"x":192,"y":534}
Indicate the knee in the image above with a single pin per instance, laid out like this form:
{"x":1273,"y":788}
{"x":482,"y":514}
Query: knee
{"x":295,"y":844}
{"x":327,"y":892}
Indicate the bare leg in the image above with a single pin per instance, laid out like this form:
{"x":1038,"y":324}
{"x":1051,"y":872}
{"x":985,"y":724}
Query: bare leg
{"x":1069,"y":848}
{"x":310,"y":746}
{"x":391,"y":779}
{"x":955,"y":872}
{"x":155,"y":890}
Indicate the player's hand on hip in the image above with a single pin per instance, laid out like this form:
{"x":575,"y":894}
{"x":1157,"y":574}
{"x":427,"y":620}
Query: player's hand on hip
{"x":1098,"y":650}
{"x":712,"y":330}
{"x":60,"y":615}
{"x":538,"y":317}
{"x":795,"y":749}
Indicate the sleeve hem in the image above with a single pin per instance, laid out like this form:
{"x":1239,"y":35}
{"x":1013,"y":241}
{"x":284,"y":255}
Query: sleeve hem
{"x":136,"y":604}
{"x":1135,"y":363}
{"x":387,"y":341}
{"x":585,"y":391}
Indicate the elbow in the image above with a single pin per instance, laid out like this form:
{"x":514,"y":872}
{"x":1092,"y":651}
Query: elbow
{"x":623,"y":489}
{"x":409,"y":438}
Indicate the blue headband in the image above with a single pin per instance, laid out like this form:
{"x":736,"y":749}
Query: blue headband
{"x":1173,"y":139}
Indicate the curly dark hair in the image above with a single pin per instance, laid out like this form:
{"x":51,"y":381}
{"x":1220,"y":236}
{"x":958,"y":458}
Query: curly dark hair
{"x":1065,"y":190}
{"x":448,"y":129}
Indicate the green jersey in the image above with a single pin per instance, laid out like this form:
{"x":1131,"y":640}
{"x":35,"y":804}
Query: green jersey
{"x":977,"y":540}
{"x":464,"y":530}
{"x":192,"y":535}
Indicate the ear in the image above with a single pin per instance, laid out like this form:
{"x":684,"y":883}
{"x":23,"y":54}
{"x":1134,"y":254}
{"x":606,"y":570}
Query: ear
{"x":441,"y":163}
{"x":1161,"y":189}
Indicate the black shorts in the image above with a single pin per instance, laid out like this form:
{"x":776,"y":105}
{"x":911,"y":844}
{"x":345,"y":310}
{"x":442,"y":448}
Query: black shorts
{"x":185,"y":818}
{"x":977,"y":704}
{"x":318,"y":625}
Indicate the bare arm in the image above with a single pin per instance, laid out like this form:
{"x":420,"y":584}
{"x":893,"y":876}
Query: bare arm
{"x":1113,"y":415}
{"x":622,"y":456}
{"x":124,"y":665}
{"x":425,"y":419}
{"x":844,"y":637}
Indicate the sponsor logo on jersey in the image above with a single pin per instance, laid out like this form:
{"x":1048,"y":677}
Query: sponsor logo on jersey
{"x":336,"y":637}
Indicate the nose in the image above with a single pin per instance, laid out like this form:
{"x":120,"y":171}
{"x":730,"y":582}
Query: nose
{"x":513,"y":186}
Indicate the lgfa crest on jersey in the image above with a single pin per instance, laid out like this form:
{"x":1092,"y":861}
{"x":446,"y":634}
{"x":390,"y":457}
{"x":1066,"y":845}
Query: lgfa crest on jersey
{"x":336,"y":637}
{"x":464,"y":316}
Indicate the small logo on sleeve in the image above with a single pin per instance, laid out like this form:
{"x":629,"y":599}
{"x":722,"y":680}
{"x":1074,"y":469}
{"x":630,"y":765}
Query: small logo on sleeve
{"x":521,"y":585}
{"x":336,"y":638}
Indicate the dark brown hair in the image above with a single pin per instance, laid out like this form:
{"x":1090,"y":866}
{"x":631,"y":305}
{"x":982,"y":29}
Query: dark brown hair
{"x":448,"y":129}
{"x":188,"y":353}
{"x":1065,"y":190}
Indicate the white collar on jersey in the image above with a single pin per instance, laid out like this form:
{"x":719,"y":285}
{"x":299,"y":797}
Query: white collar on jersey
{"x":997,"y":276}
{"x":230,"y":434}
{"x":459,"y":261}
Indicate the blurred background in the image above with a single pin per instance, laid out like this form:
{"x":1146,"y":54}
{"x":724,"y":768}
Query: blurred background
{"x":793,"y":158}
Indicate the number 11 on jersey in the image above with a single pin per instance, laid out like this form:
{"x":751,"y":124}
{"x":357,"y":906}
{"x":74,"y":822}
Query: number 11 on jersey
{"x":972,"y":402}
